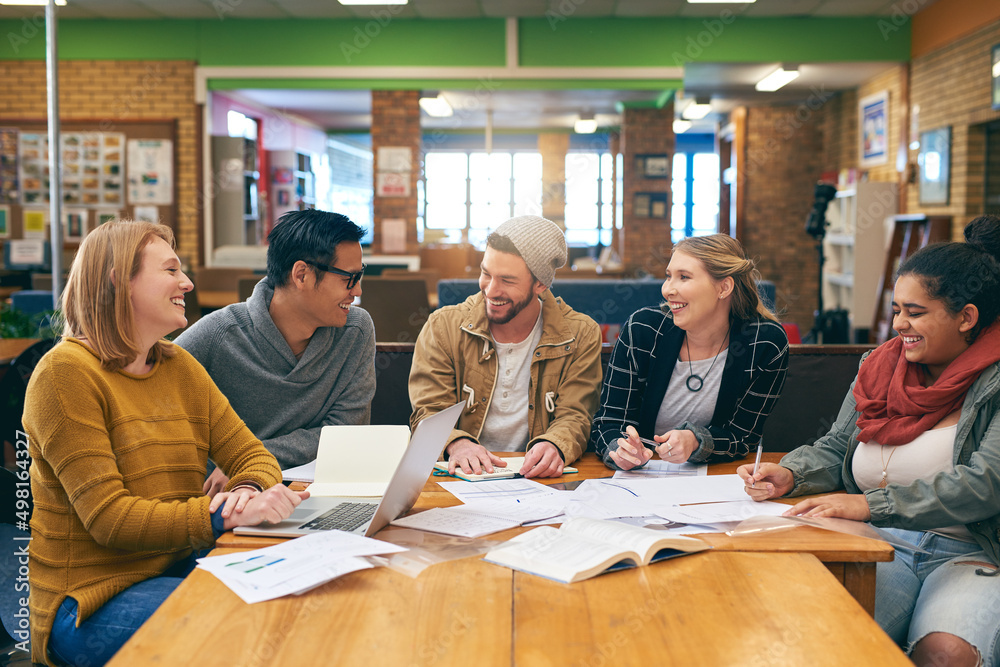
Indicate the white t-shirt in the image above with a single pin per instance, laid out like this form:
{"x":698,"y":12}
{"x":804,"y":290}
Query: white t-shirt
{"x":505,"y":428}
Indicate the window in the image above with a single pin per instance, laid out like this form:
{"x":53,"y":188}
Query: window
{"x":240,"y":125}
{"x":589,"y":197}
{"x":349,"y":160}
{"x":464,"y":195}
{"x":694,"y":189}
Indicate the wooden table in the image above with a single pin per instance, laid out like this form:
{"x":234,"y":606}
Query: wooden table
{"x":851,"y":559}
{"x":711,"y":608}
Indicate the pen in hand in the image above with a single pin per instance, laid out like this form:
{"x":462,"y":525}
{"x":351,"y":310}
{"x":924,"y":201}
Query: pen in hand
{"x":645,"y":441}
{"x":756,"y":465}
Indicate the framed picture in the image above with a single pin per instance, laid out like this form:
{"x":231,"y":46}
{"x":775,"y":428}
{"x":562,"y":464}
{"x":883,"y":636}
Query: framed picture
{"x":934,"y":161}
{"x":995,"y":74}
{"x":4,"y":222}
{"x":75,"y":223}
{"x":34,"y":222}
{"x":653,"y":166}
{"x":873,"y":130}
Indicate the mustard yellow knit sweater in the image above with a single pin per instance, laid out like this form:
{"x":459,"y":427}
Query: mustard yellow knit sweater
{"x":118,"y":463}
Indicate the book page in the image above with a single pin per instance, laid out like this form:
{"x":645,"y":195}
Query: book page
{"x":557,"y":555}
{"x":368,"y":454}
{"x":643,"y":541}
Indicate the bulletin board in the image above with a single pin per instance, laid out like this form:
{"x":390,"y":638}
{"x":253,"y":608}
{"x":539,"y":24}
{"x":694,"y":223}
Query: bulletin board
{"x":96,"y":166}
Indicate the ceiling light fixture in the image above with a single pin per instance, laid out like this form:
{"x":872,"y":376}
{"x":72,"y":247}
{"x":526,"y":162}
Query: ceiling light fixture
{"x":30,"y":3}
{"x":372,"y":2}
{"x":716,"y":2}
{"x":778,"y":78}
{"x":697,"y":109}
{"x":681,"y":126}
{"x":435,"y":105}
{"x":585,"y":124}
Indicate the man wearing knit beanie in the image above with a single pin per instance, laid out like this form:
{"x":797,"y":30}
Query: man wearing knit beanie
{"x":527,"y":365}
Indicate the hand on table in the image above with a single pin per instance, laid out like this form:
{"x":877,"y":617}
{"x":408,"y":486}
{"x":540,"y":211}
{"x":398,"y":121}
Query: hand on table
{"x":677,"y":447}
{"x":472,"y":458}
{"x":630,"y":452}
{"x":771,"y":480}
{"x":852,"y":506}
{"x":270,"y":506}
{"x":214,"y":483}
{"x":542,"y":460}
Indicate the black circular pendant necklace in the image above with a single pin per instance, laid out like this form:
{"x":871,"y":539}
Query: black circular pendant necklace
{"x":695,"y":382}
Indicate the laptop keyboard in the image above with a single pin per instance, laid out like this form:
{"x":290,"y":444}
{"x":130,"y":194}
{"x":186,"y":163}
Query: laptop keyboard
{"x":345,"y":516}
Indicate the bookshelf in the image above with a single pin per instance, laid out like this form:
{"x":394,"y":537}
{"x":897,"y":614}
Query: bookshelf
{"x":855,"y":247}
{"x":293,"y":182}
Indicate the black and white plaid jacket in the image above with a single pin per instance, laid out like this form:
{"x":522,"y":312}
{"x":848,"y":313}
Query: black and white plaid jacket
{"x":639,"y":372}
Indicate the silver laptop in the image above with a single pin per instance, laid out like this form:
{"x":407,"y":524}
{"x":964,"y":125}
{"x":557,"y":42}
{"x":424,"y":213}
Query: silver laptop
{"x":367,"y":516}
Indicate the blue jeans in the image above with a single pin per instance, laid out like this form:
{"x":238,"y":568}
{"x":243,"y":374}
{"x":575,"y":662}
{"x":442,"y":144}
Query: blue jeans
{"x":917,"y":594}
{"x":107,"y":629}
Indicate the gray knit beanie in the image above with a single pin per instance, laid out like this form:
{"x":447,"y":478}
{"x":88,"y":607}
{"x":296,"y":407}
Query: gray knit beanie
{"x":540,"y":242}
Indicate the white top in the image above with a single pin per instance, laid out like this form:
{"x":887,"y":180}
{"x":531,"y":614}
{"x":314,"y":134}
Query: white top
{"x":680,"y":404}
{"x":505,"y":428}
{"x":928,"y":454}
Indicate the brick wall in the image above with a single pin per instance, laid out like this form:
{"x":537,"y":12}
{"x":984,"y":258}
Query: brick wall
{"x":784,"y":158}
{"x":646,"y":241}
{"x":126,"y":90}
{"x":396,"y":122}
{"x":952,"y":87}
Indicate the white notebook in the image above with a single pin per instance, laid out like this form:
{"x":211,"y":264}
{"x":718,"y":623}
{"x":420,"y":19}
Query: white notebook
{"x":358,"y":460}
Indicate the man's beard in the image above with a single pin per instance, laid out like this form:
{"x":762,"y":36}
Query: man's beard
{"x":515,"y":309}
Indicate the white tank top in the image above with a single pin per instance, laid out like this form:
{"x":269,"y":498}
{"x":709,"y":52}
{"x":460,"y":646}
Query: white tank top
{"x":929,"y":453}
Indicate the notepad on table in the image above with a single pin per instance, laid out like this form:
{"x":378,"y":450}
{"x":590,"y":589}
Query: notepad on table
{"x":358,"y":460}
{"x":513,"y":468}
{"x":582,"y":548}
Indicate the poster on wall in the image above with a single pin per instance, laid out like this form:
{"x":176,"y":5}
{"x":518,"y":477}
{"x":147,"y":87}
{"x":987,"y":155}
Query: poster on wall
{"x":75,"y":223}
{"x":92,"y":168}
{"x":8,"y":165}
{"x":873,"y":129}
{"x":4,"y":222}
{"x":150,"y":171}
{"x":34,"y":223}
{"x":392,"y":184}
{"x":935,"y":166}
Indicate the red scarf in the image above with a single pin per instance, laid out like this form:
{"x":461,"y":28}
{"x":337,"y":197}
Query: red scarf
{"x":894,"y":404}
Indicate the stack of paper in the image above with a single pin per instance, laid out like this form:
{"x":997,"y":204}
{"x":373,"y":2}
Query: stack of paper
{"x":477,"y":519}
{"x":294,"y":566}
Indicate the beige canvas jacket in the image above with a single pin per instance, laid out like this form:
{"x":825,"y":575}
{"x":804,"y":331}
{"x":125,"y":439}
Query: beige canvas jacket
{"x":454,"y":360}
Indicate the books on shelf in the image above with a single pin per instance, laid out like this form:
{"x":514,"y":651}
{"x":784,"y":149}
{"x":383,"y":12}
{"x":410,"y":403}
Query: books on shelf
{"x":582,"y":548}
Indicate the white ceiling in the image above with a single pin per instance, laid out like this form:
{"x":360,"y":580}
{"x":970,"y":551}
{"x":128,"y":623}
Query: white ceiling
{"x":729,"y":85}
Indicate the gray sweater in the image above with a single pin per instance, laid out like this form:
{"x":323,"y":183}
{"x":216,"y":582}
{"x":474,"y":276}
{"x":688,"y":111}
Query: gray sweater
{"x":286,"y":401}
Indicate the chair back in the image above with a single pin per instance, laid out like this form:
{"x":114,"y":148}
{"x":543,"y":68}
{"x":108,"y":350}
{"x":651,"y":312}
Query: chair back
{"x":31,"y":301}
{"x":244,"y":287}
{"x":398,"y":306}
{"x":220,"y":279}
{"x":13,"y":386}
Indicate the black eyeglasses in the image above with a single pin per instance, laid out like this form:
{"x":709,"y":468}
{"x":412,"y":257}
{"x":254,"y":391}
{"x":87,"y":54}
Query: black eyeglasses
{"x":352,"y":278}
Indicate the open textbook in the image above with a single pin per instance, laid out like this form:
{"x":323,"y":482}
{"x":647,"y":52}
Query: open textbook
{"x":583,"y":548}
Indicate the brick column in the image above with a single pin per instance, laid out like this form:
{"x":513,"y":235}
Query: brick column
{"x":553,"y":148}
{"x":396,"y":122}
{"x":646,"y":242}
{"x":784,"y":160}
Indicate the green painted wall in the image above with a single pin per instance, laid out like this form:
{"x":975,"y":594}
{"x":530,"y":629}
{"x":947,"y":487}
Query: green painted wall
{"x":591,"y":42}
{"x":557,"y":40}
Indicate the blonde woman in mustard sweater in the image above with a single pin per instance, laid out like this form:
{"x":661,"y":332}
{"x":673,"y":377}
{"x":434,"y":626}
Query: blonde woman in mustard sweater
{"x":120,"y":425}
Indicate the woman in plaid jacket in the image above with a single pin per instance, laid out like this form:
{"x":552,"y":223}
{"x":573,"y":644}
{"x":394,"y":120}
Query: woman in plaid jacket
{"x":694,"y":379}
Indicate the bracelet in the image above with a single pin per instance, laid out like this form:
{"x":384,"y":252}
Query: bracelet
{"x":248,"y":485}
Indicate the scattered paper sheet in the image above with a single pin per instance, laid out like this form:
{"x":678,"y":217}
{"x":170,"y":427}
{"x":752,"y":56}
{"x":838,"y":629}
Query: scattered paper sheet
{"x":682,"y":490}
{"x":294,"y":566}
{"x":658,"y":468}
{"x":721,"y":512}
{"x":520,"y":490}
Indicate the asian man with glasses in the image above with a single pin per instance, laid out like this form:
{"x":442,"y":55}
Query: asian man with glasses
{"x":297,"y":355}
